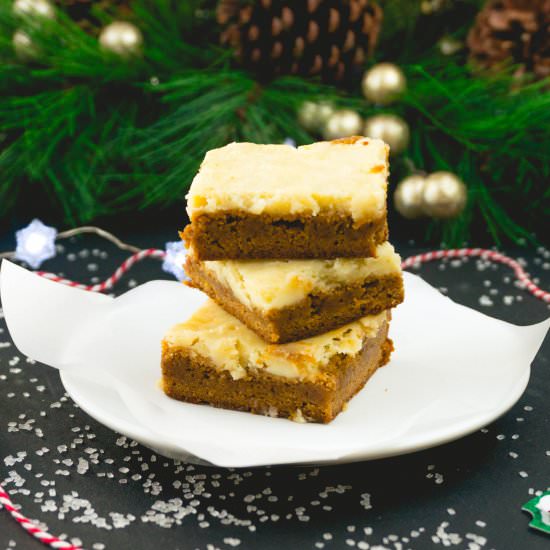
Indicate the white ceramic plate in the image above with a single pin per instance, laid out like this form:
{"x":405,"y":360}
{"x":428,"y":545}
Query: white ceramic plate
{"x":440,"y":385}
{"x":107,"y":408}
{"x":454,"y":370}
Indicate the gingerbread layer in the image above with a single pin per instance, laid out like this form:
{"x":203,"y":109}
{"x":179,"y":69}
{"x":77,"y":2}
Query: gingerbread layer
{"x":243,"y":235}
{"x":190,"y":377}
{"x":320,"y":311}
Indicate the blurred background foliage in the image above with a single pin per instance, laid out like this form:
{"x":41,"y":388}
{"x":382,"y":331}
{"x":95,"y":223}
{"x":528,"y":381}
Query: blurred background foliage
{"x":107,"y":108}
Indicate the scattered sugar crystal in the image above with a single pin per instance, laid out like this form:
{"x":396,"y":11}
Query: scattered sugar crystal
{"x":484,"y":300}
{"x":366,"y":501}
{"x":477,"y":539}
{"x":82,"y":466}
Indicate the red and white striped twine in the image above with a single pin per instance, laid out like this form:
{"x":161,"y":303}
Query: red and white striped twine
{"x":27,"y":524}
{"x":114,"y":278}
{"x":411,"y":261}
{"x":521,"y":275}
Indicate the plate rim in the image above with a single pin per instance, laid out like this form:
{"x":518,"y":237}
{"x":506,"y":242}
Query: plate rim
{"x":144,"y":436}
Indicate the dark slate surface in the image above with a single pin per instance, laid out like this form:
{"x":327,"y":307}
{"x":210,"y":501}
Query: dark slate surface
{"x":101,"y":490}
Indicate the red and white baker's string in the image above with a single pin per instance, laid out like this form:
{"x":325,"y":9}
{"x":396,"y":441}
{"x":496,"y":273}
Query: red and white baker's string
{"x":114,"y":278}
{"x":411,"y":261}
{"x":521,"y":275}
{"x":42,"y":536}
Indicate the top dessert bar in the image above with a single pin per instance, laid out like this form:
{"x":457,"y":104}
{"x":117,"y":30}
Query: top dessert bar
{"x":325,"y":200}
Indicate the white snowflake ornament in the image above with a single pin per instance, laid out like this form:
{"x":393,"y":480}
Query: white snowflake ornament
{"x":35,"y":243}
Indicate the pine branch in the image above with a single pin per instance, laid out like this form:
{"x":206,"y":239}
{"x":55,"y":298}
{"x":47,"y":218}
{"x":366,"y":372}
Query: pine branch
{"x":493,"y":136}
{"x":96,"y":134}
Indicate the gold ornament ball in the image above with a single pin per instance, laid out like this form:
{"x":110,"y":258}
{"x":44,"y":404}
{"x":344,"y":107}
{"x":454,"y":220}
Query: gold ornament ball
{"x":407,"y":198}
{"x":313,"y":116}
{"x":307,"y":115}
{"x":325,"y":110}
{"x":121,"y":38}
{"x":34,"y":8}
{"x":24,"y":47}
{"x":444,"y":195}
{"x":391,"y":129}
{"x":429,"y":7}
{"x":449,"y":45}
{"x":343,"y":123}
{"x":383,"y":83}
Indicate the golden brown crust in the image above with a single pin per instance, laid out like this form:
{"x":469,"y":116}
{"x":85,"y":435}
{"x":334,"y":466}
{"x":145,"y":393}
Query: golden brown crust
{"x":319,"y":312}
{"x":241,"y":235}
{"x":193,"y":378}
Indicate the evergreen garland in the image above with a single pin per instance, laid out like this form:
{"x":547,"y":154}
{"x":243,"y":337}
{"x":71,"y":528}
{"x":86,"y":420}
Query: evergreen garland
{"x":97,"y":134}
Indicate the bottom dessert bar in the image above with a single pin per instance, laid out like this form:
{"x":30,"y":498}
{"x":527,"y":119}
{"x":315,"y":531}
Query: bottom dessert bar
{"x":214,"y":359}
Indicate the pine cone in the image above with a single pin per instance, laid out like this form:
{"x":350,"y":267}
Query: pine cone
{"x":513,"y":31}
{"x":329,"y":38}
{"x":82,"y":12}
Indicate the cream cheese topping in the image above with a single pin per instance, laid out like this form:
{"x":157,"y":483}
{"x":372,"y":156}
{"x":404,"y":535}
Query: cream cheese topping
{"x":274,"y":284}
{"x":231,"y":346}
{"x":350,"y":178}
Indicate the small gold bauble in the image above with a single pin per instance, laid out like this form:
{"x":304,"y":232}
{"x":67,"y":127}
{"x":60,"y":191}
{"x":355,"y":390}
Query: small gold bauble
{"x":313,"y":116}
{"x":444,"y":195}
{"x":307,"y":115}
{"x":121,"y":38}
{"x":449,"y":45}
{"x":383,"y":83}
{"x":426,"y":7}
{"x":343,"y":123}
{"x":407,"y":197}
{"x":34,"y":8}
{"x":429,"y":7}
{"x":25,"y":49}
{"x":391,"y":129}
{"x":325,"y":109}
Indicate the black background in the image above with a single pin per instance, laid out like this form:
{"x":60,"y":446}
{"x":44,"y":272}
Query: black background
{"x":461,"y":494}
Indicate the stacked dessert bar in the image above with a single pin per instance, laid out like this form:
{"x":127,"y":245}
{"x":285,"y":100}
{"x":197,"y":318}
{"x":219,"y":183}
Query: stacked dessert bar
{"x":291,"y":247}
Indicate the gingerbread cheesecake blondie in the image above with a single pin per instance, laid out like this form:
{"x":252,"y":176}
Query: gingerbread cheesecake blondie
{"x":324,"y":200}
{"x":213,"y":358}
{"x":287,"y":300}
